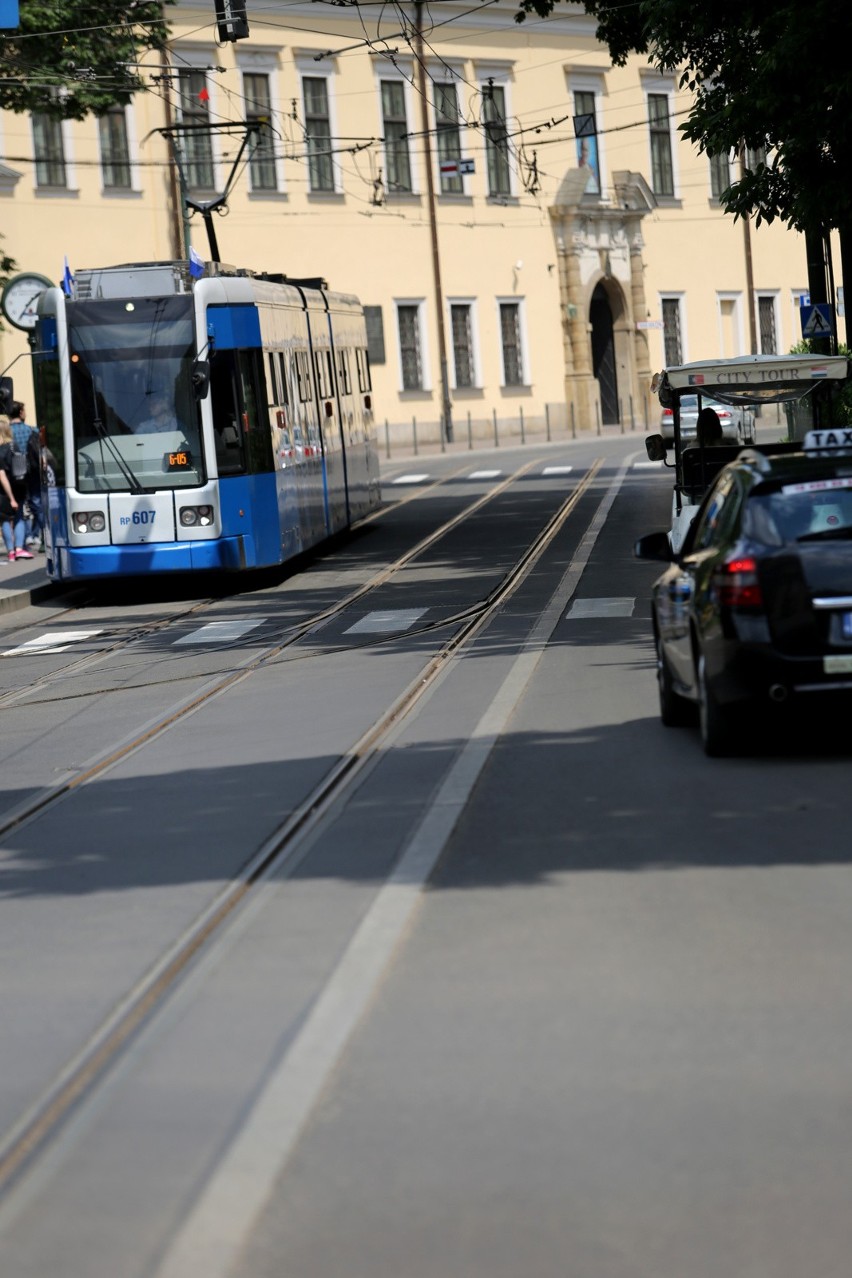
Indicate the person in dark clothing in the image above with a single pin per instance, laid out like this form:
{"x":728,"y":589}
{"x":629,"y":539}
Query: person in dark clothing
{"x":13,"y":492}
{"x":26,"y":439}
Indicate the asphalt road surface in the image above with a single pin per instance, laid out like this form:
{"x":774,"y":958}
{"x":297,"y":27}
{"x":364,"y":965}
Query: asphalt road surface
{"x":363,"y":921}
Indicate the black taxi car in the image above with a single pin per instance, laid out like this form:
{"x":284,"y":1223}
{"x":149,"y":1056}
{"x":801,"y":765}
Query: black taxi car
{"x":755,"y":610}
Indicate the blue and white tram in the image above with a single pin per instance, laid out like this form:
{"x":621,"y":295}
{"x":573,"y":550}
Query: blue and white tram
{"x":218,"y":423}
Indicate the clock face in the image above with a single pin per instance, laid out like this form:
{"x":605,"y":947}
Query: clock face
{"x":20,"y":299}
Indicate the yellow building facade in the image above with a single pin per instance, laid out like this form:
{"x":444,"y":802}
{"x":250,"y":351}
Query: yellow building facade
{"x":527,"y":230}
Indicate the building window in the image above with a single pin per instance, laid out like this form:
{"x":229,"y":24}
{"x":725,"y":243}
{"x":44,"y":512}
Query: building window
{"x":587,"y":146}
{"x":115,"y":151}
{"x":672,"y":344}
{"x":395,"y":127}
{"x":510,"y":340}
{"x":49,"y":151}
{"x":662,"y":173}
{"x":448,"y":136}
{"x":720,"y":174}
{"x":197,"y":142}
{"x":259,"y":112}
{"x":766,"y":325}
{"x":410,"y":347}
{"x":318,"y":133}
{"x":496,"y":140}
{"x":754,"y":157}
{"x":461,"y":323}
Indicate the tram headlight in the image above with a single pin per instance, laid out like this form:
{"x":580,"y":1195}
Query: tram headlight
{"x":196,"y":516}
{"x":89,"y":521}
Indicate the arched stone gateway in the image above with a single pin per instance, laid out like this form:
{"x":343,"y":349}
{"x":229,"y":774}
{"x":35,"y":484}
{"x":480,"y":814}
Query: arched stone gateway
{"x":602,"y":297}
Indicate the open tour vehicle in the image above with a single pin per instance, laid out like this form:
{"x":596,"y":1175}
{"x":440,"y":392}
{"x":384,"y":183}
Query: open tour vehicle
{"x":802,"y":384}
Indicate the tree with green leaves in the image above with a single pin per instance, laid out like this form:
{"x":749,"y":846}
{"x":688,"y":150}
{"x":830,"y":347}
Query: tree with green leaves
{"x":768,"y":75}
{"x":73,"y":58}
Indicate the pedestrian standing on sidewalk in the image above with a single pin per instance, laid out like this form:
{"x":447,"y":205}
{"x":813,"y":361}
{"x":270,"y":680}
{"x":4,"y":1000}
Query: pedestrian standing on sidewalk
{"x":13,"y":494}
{"x":27,"y":440}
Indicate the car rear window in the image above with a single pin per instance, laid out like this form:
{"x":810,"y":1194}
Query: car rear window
{"x":787,"y":512}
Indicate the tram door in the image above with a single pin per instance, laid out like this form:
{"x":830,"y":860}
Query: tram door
{"x":603,"y":355}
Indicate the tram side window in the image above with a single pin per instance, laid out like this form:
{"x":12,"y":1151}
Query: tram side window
{"x":323,"y":388}
{"x":48,"y":398}
{"x":227,"y":433}
{"x":255,"y":415}
{"x":362,"y":365}
{"x":303,"y":376}
{"x":343,"y":376}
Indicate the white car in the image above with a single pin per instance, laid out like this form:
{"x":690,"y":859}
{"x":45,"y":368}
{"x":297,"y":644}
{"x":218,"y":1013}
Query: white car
{"x":737,"y":423}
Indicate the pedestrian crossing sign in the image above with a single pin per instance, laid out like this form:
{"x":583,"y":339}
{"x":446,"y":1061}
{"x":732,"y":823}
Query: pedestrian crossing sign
{"x":816,"y":320}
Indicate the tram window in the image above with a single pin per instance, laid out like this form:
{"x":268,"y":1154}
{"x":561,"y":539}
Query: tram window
{"x":329,"y":372}
{"x":343,"y":378}
{"x":274,"y":388}
{"x":48,"y":398}
{"x":322,"y":384}
{"x":282,"y":379}
{"x":362,"y":364}
{"x":253,"y":394}
{"x":226,"y":414}
{"x":303,"y":376}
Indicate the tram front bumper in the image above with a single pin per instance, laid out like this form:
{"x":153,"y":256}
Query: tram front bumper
{"x":225,"y":554}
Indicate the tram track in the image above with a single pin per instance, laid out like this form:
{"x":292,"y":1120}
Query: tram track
{"x":281,"y":853}
{"x":88,"y":661}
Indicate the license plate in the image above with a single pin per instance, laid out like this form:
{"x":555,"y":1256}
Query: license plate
{"x":846,"y":625}
{"x":837,"y":665}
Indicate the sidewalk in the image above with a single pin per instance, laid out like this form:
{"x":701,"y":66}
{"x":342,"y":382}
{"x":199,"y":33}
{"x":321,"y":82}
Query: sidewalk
{"x":24,"y":582}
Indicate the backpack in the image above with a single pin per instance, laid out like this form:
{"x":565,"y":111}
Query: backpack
{"x":18,"y":466}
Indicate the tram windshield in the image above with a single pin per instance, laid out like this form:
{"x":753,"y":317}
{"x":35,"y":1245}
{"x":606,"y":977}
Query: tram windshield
{"x":137,"y":422}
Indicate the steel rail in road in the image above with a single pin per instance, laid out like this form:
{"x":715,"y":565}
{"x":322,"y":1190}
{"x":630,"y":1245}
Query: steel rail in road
{"x":281,"y":850}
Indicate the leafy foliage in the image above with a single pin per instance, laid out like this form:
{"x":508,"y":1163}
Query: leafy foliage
{"x":8,"y":266}
{"x":72,"y":58}
{"x":764,"y":74}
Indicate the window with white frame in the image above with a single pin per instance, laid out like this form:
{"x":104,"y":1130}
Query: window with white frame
{"x":672,"y":331}
{"x":587,"y":145}
{"x":197,"y":142}
{"x":410,"y":331}
{"x":258,"y":111}
{"x":511,"y":343}
{"x":318,"y":132}
{"x":496,"y":139}
{"x":115,"y":148}
{"x":448,"y":135}
{"x":659,"y":125}
{"x":49,"y":150}
{"x":395,"y":128}
{"x":720,"y":174}
{"x":463,"y":337}
{"x":730,"y":324}
{"x":767,"y":324}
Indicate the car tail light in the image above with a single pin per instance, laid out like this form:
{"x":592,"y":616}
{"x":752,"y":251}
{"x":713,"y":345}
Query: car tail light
{"x":736,"y":584}
{"x":667,"y":412}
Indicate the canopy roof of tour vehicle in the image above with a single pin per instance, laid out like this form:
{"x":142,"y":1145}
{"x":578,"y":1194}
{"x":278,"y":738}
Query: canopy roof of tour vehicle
{"x":750,"y":379}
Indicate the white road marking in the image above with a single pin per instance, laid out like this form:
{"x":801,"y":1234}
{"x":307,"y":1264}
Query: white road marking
{"x":383,"y":623}
{"x":55,"y":641}
{"x":648,"y":465}
{"x":410,"y":479}
{"x":584,"y":608}
{"x":220,"y":631}
{"x":485,"y":474}
{"x":233,"y":1198}
{"x":557,"y":470}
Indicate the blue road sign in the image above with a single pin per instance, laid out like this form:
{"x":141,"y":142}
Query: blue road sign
{"x":10,"y":18}
{"x":817,"y":320}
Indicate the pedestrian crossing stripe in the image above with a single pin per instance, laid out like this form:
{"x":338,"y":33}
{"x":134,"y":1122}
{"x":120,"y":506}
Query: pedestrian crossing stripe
{"x":485,"y":474}
{"x":384,"y":623}
{"x":583,"y":609}
{"x":410,"y":479}
{"x":648,"y":465}
{"x":225,"y":631}
{"x":557,"y":470}
{"x":53,"y":641}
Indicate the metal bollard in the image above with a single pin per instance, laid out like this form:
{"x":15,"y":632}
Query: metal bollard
{"x":496,"y":435}
{"x":414,"y":433}
{"x":632,"y":418}
{"x":573,"y":422}
{"x":469,"y":432}
{"x":621,"y":414}
{"x":547,"y":421}
{"x":441,"y":433}
{"x":645,"y":413}
{"x":387,"y":438}
{"x":521,"y":412}
{"x":598,"y":415}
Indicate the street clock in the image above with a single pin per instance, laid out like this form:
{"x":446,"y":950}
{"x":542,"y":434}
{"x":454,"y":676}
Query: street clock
{"x":19,"y":302}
